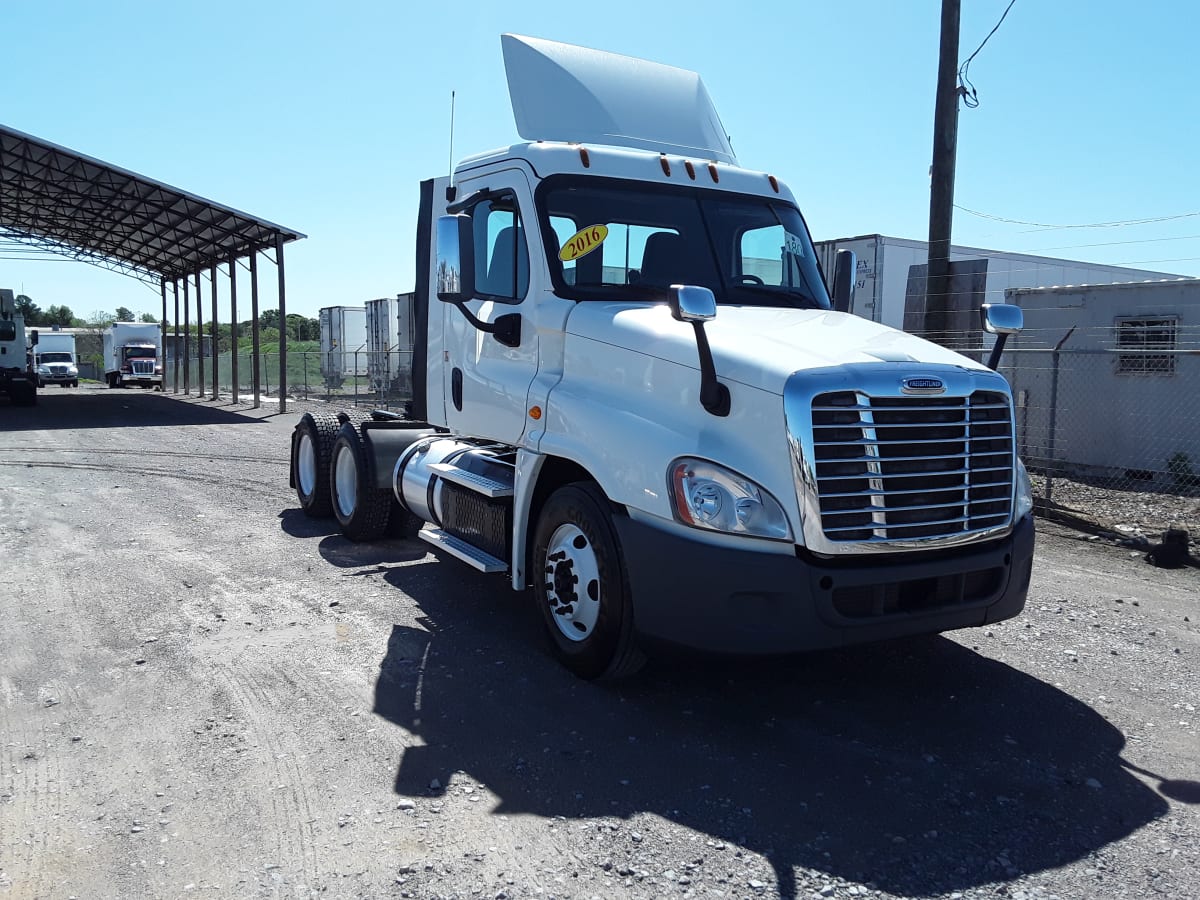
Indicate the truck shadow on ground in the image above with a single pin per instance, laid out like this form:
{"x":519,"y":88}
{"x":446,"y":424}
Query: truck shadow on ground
{"x":98,"y":407}
{"x":921,"y":767}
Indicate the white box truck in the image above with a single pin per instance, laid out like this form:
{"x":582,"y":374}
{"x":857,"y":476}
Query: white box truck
{"x":54,"y":360}
{"x":133,"y":355}
{"x":637,"y":400}
{"x":343,"y":343}
{"x":390,"y":344}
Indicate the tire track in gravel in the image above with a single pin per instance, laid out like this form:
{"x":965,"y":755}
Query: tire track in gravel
{"x":282,"y":461}
{"x":245,"y":483}
{"x":257,"y":690}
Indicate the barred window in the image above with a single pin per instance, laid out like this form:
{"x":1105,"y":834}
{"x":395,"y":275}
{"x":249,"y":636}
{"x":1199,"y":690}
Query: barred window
{"x":1146,"y":346}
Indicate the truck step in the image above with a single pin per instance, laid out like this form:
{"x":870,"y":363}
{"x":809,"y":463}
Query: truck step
{"x":480,"y":484}
{"x":472,"y":556}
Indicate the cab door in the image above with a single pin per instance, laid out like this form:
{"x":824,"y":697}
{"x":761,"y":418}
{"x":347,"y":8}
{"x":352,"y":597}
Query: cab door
{"x":486,"y":379}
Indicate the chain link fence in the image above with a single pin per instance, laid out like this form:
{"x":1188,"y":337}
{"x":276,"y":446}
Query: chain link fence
{"x":1111,"y":435}
{"x":378,"y":379}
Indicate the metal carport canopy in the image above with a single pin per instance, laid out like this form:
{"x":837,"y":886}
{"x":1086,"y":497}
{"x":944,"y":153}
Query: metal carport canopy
{"x":59,"y":200}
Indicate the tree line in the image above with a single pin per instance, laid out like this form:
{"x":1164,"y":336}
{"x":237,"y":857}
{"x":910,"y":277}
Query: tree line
{"x":299,"y":328}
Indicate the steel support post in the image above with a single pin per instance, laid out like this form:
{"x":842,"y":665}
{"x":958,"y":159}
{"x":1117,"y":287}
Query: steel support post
{"x":282,"y":324}
{"x":212,"y":278}
{"x":175,"y":349}
{"x":233,"y":331}
{"x":187,"y":340}
{"x":162,"y":329}
{"x":255,"y":357}
{"x":199,"y":341}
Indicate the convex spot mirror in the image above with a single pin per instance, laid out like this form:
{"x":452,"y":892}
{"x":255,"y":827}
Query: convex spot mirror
{"x":1002,"y":318}
{"x":845,"y":268}
{"x":691,"y":303}
{"x":455,"y":259}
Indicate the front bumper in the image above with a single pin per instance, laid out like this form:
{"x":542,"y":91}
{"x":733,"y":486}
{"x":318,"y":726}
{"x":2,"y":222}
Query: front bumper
{"x":694,"y":595}
{"x":58,"y":379}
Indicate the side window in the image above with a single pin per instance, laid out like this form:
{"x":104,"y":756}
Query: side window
{"x":501,"y":254}
{"x":763,"y":252}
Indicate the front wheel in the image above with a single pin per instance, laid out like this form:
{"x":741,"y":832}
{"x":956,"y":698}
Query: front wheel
{"x":580,"y":585}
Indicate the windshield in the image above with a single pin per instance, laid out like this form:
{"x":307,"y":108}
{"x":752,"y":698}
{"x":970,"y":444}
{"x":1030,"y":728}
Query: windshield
{"x":618,"y":240}
{"x":54,"y":357}
{"x":140,"y":353}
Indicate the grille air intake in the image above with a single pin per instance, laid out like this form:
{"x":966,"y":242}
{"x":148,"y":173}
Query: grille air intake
{"x":905,"y":468}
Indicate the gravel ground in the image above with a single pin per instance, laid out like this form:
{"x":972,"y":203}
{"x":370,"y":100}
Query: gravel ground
{"x":204,"y":693}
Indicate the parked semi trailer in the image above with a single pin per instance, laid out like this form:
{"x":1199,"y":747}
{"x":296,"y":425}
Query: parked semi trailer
{"x":635,"y":398}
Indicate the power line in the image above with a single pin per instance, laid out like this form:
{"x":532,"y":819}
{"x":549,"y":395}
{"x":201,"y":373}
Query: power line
{"x":966,"y":89}
{"x":1044,"y":225}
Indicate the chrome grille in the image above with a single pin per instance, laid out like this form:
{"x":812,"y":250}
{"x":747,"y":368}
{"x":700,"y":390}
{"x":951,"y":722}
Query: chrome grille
{"x":142,"y":366}
{"x":912,"y":468}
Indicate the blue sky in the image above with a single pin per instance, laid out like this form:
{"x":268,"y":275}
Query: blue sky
{"x":325,"y":116}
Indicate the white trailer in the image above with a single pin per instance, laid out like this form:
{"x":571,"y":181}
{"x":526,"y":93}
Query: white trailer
{"x":887,"y":267}
{"x":133,"y":355}
{"x":390,"y":344}
{"x":54,"y":359}
{"x":343,"y":343}
{"x":622,"y":407}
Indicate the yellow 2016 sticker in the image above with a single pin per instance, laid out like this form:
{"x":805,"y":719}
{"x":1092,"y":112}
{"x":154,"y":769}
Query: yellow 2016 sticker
{"x":583,"y":242}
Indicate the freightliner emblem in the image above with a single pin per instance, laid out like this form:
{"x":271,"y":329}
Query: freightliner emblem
{"x":923,"y":384}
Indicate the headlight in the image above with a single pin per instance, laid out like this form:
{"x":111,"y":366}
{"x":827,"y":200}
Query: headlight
{"x":705,"y":495}
{"x":1024,"y":492}
{"x":71,"y":370}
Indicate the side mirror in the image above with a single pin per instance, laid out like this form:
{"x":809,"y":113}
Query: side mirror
{"x":455,"y":259}
{"x":691,"y":303}
{"x":33,"y":338}
{"x":844,"y":270}
{"x":1002,"y":318}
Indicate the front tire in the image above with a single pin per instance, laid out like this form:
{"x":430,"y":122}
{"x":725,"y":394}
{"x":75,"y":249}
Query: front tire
{"x":362,"y":510}
{"x":581,"y":587}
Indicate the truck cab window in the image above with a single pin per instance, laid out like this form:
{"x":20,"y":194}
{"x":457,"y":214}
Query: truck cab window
{"x":749,"y":250}
{"x":501,"y":254}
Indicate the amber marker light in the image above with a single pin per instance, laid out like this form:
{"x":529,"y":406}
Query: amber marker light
{"x":535,"y":412}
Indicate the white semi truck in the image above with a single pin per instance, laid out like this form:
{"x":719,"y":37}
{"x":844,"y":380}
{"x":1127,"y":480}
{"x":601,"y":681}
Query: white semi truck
{"x":637,"y":400}
{"x":17,"y":379}
{"x":54,"y":360}
{"x":133,"y":355}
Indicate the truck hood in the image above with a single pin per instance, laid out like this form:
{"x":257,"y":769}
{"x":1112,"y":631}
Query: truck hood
{"x":758,"y":346}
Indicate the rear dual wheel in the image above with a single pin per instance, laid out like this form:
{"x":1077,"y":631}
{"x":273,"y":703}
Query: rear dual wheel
{"x":363,"y":511}
{"x":312,"y":445}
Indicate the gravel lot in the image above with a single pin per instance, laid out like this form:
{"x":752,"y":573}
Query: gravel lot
{"x":203,"y":693}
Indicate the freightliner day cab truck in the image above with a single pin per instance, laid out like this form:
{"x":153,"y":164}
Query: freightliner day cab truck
{"x":634,"y":396}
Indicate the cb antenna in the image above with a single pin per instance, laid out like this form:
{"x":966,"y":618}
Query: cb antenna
{"x":452,"y":137}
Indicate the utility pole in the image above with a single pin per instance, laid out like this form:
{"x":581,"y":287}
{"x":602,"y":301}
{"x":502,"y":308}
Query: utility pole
{"x":941,"y":188}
